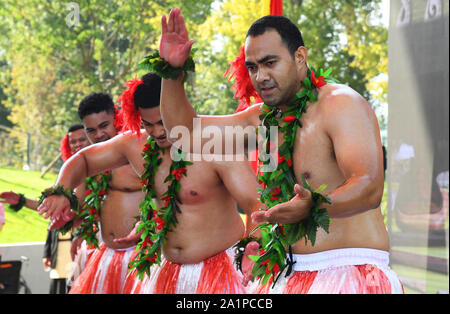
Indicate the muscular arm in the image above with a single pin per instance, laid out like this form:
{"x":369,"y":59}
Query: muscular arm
{"x":87,"y":162}
{"x":234,"y":132}
{"x":353,"y":129}
{"x":176,"y":109}
{"x":239,"y":179}
{"x":91,"y":161}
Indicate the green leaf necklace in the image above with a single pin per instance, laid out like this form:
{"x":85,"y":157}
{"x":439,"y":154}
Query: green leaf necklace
{"x":156,"y":224}
{"x":96,"y":190}
{"x":278,"y":187}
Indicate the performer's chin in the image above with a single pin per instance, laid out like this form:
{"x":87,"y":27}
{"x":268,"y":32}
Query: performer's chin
{"x":163,"y":142}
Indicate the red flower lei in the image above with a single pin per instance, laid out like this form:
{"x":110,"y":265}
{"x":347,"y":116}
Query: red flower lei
{"x":156,"y":224}
{"x":90,"y":211}
{"x":276,"y":239}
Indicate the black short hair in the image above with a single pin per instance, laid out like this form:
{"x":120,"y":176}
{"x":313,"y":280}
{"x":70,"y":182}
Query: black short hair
{"x":148,"y":94}
{"x":288,"y":31}
{"x":95,"y":103}
{"x":75,"y":127}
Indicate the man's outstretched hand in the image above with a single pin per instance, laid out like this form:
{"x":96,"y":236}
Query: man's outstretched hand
{"x":293,"y":211}
{"x":175,"y":45}
{"x":131,"y":239}
{"x":10,"y":198}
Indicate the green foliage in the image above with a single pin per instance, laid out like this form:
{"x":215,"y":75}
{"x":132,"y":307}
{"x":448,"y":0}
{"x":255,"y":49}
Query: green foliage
{"x":49,"y":61}
{"x":26,"y":225}
{"x":154,"y":63}
{"x":341,"y":36}
{"x":55,"y":54}
{"x":90,"y":212}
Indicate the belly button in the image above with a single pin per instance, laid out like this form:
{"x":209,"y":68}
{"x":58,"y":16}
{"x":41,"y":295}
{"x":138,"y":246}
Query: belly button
{"x":193,"y":193}
{"x":306,"y":175}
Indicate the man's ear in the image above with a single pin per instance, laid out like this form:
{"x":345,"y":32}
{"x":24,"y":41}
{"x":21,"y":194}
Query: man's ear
{"x":300,"y":56}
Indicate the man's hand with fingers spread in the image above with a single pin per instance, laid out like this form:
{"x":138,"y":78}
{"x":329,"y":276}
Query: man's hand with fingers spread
{"x":175,"y":46}
{"x":293,"y":211}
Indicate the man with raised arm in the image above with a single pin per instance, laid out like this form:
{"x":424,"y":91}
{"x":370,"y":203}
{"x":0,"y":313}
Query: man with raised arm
{"x":115,"y":196}
{"x":197,"y":250}
{"x":334,"y":139}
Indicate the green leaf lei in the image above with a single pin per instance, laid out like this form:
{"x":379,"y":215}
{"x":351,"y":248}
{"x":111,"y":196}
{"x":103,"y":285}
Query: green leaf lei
{"x":278,"y":185}
{"x":154,"y":63}
{"x":156,"y":224}
{"x":96,"y":189}
{"x":69,"y":194}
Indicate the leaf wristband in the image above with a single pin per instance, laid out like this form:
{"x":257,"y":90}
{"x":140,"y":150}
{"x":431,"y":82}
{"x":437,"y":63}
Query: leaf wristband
{"x":20,"y":204}
{"x":239,"y":250}
{"x":59,"y":190}
{"x":154,"y":63}
{"x":67,"y":193}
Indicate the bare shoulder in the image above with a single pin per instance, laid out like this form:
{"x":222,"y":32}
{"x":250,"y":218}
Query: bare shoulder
{"x":128,"y":142}
{"x":253,"y":113}
{"x":249,"y":116}
{"x":338,"y":100}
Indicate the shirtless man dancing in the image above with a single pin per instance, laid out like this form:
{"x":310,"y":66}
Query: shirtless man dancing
{"x":338,"y":145}
{"x":106,"y":270}
{"x":197,"y":253}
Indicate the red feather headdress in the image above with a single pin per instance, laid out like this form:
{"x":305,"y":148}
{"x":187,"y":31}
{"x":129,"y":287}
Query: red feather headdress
{"x":243,"y":86}
{"x":129,"y":115}
{"x":118,"y":119}
{"x":244,"y":91}
{"x":64,"y":148}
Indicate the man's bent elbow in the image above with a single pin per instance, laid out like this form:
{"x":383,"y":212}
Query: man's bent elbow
{"x":375,"y":196}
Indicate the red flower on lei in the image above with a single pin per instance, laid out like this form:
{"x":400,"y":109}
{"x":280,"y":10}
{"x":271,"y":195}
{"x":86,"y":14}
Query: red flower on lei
{"x":159,"y":223}
{"x":178,"y":173}
{"x":275,"y":193}
{"x":319,"y":81}
{"x":283,"y":158}
{"x":289,"y":119}
{"x":166,"y":200}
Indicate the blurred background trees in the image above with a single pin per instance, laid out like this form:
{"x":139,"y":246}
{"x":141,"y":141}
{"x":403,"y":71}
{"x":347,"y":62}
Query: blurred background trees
{"x":54,"y":53}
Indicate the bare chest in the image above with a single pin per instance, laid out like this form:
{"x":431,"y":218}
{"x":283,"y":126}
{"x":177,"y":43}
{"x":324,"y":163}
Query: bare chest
{"x":313,"y":154}
{"x":125,"y":179}
{"x":199,"y":184}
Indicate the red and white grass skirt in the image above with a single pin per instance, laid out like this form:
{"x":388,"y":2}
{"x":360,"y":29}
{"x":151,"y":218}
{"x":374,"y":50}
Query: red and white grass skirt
{"x":214,"y":275}
{"x":340,"y":271}
{"x":106,"y":272}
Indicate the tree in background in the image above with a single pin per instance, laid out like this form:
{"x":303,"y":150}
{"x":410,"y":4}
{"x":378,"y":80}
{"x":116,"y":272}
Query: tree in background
{"x":54,"y":53}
